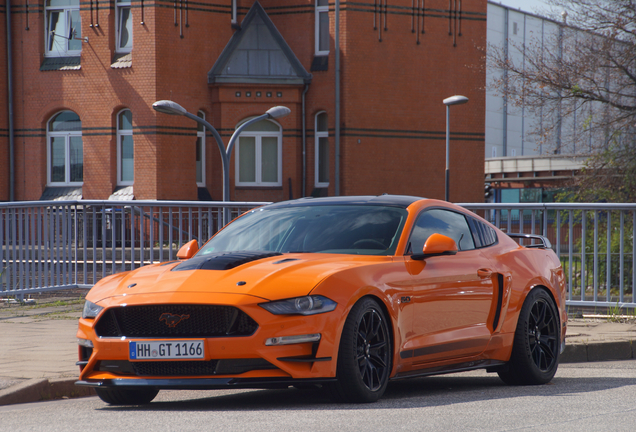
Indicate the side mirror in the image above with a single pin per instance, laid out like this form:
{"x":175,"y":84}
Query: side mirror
{"x":188,"y":250}
{"x":436,"y":245}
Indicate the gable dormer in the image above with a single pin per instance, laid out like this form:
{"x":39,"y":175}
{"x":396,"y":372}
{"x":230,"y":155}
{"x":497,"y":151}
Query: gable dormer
{"x":258,"y":54}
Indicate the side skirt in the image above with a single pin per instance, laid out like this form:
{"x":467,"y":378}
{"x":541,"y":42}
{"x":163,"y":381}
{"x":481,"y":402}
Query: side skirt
{"x":491,"y":365}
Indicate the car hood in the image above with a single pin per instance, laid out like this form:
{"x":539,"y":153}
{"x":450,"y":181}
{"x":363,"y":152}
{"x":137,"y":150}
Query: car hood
{"x":270,"y":278}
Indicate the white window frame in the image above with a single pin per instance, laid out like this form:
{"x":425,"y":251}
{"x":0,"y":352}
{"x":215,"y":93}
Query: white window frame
{"x":62,"y":40}
{"x":119,"y":5}
{"x":201,"y":139}
{"x":319,"y":10}
{"x":121,"y":133}
{"x":234,"y":12}
{"x":67,"y":156}
{"x":318,"y":135}
{"x":258,"y":135}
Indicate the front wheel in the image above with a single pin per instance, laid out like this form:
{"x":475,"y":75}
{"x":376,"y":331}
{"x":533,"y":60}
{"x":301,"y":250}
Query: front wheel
{"x":126,"y":397}
{"x":364,"y":356}
{"x":535,"y":353}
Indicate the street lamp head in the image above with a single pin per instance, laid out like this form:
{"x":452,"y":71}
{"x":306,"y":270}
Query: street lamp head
{"x":278,"y":112}
{"x":455,"y":100}
{"x":169,"y":107}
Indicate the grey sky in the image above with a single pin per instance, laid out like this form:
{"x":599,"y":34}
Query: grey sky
{"x":533,"y":6}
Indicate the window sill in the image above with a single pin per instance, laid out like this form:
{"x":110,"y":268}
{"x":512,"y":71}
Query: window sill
{"x":122,"y":61}
{"x":320,"y":63}
{"x":61,"y":63}
{"x":258,"y":187}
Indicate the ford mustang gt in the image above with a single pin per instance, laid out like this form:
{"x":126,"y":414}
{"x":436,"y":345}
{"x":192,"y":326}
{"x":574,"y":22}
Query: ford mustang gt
{"x":343,"y":293}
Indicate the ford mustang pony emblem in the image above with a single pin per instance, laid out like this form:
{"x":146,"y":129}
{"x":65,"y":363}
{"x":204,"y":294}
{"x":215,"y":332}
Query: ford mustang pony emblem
{"x":172,"y":320}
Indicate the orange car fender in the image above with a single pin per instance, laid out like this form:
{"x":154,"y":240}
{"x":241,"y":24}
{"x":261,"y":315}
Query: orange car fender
{"x":346,"y":290}
{"x":517,"y":298}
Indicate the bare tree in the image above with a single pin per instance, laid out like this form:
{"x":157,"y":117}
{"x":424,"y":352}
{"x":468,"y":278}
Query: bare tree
{"x":584,"y":77}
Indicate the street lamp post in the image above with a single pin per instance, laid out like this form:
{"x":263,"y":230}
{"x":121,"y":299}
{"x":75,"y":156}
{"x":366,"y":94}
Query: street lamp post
{"x":453,"y":100}
{"x":173,"y":108}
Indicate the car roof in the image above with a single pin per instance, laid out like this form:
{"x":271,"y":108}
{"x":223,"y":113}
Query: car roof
{"x":402,"y":201}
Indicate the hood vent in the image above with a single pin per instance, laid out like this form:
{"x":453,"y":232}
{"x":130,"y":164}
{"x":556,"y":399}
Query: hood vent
{"x":223,"y":261}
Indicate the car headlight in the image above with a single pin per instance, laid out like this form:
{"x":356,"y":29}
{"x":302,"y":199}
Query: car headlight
{"x":307,"y":305}
{"x":91,"y":310}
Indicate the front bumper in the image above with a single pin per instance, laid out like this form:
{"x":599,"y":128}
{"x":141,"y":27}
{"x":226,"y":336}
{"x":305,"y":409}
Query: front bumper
{"x":202,"y":383}
{"x":302,"y":361}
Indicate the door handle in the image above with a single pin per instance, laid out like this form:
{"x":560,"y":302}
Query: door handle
{"x":484,"y":273}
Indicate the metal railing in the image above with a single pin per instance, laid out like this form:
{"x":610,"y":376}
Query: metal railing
{"x":57,"y":245}
{"x":52,"y":245}
{"x":597,"y":275}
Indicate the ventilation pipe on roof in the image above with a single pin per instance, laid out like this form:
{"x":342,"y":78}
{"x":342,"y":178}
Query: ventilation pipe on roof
{"x":337,"y":132}
{"x":10,"y":104}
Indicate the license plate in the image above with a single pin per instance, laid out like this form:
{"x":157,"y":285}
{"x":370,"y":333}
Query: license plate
{"x":166,"y":350}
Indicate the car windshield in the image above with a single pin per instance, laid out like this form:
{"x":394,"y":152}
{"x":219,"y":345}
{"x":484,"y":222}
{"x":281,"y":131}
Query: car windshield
{"x":345,"y":229}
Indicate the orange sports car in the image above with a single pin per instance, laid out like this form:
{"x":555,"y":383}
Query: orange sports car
{"x":343,"y":293}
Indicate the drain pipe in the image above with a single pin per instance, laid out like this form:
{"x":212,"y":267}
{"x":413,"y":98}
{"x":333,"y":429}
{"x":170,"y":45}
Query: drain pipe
{"x":10,"y":103}
{"x":304,"y":185}
{"x":337,"y":116}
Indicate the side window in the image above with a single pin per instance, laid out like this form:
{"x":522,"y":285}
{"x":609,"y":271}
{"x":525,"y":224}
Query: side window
{"x":322,"y":150}
{"x":446,"y":222}
{"x":123,"y":26}
{"x":65,"y":152}
{"x":125,"y":149}
{"x":63,"y":28}
{"x":322,"y":27}
{"x":258,"y":155}
{"x":200,"y":152}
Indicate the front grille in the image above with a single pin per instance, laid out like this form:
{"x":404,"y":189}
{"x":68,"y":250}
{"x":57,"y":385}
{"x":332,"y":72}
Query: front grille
{"x":183,"y":368}
{"x":175,"y":321}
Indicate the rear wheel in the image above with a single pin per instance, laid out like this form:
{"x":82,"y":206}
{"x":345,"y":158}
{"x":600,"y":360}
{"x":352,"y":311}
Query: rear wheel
{"x":126,"y":397}
{"x":364,"y":357}
{"x":535,"y":353}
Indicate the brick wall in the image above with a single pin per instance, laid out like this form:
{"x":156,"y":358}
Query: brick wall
{"x":392,"y":120}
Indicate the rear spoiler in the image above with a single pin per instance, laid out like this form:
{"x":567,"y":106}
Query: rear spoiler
{"x":545,"y":243}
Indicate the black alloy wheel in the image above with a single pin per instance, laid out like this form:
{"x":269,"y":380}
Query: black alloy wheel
{"x":535,"y":353}
{"x":372,"y":354}
{"x":364,"y":357}
{"x":543,"y":335}
{"x":119,"y":396}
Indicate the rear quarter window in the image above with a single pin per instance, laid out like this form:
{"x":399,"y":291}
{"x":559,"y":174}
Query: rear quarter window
{"x":483,"y":234}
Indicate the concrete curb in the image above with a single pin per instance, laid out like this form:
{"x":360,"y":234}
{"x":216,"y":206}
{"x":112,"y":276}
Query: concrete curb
{"x":598,"y":351}
{"x":40,"y":389}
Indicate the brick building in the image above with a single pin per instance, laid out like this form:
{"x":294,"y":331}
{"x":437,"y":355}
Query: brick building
{"x":86,"y":73}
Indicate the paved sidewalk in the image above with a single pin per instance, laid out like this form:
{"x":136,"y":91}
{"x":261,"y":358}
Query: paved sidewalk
{"x":38,"y":349}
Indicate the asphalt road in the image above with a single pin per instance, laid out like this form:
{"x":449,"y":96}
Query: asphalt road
{"x":582,"y":397}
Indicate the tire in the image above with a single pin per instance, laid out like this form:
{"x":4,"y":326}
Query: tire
{"x":535,"y":353}
{"x":364,"y":355}
{"x":126,"y":397}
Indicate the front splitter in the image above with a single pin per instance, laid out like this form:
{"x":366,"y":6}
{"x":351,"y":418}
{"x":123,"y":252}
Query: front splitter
{"x":202,"y":383}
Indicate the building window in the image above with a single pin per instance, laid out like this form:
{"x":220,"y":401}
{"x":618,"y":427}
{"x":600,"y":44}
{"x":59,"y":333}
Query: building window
{"x":322,"y":27}
{"x":124,"y":29}
{"x":125,"y":149}
{"x":258,"y":156}
{"x":322,"y":150}
{"x":200,"y":158}
{"x":63,"y":28}
{"x":65,"y":154}
{"x":234,"y":12}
